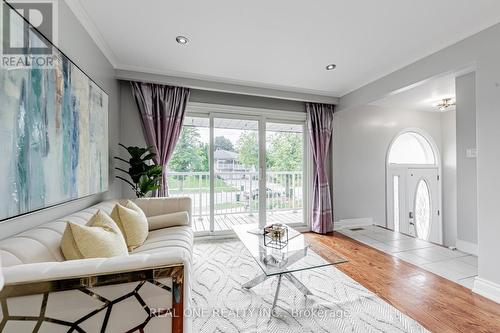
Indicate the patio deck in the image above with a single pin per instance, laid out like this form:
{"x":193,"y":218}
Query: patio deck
{"x":225,"y":222}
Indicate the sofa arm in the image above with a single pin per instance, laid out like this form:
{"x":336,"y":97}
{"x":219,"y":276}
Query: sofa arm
{"x":160,"y":206}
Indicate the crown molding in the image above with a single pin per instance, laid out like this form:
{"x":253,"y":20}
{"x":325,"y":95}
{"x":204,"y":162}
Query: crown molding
{"x":224,"y":80}
{"x":89,"y":25}
{"x":144,"y":75}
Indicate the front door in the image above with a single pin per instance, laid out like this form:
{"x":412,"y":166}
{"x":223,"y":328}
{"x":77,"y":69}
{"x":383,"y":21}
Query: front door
{"x":422,"y":220}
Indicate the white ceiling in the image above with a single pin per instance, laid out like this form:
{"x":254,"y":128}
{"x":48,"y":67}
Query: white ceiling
{"x":423,"y":96}
{"x":281,"y":44}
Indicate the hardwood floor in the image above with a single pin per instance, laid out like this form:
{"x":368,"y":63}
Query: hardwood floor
{"x":438,"y":304}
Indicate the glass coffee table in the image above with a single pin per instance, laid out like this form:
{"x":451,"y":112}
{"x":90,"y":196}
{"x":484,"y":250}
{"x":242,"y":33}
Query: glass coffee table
{"x":294,"y":257}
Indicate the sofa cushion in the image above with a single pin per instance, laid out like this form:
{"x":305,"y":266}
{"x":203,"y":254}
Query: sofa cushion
{"x":99,"y":238}
{"x":180,"y":237}
{"x":168,"y":220}
{"x":132,"y":222}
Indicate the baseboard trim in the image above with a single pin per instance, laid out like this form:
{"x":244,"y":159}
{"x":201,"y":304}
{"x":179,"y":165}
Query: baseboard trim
{"x":352,"y":223}
{"x":466,"y":247}
{"x":487,"y":289}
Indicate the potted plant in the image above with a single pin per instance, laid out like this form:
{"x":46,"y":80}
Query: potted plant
{"x":145,"y":176}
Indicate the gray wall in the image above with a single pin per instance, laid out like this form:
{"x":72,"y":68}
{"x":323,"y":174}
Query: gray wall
{"x":212,"y":97}
{"x":449,"y":177}
{"x":130,"y":128}
{"x":466,"y":167}
{"x":482,"y":52}
{"x":361,"y":138}
{"x":75,"y":42}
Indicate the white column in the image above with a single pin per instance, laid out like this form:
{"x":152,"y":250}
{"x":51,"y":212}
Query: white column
{"x":262,"y":173}
{"x":212,"y":174}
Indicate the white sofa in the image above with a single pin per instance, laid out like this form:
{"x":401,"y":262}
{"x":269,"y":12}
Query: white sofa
{"x":137,"y":293}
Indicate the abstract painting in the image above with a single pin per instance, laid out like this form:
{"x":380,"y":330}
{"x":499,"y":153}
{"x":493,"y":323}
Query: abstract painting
{"x":53,"y":136}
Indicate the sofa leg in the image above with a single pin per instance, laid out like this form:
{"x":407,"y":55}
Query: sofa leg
{"x":178,"y":301}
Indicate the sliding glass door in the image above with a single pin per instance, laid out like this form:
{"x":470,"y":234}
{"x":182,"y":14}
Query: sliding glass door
{"x":240,"y":169}
{"x":189,"y":169}
{"x":235,"y":169}
{"x":284,"y":172}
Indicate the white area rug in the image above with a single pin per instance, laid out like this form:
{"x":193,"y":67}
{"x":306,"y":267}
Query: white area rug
{"x":339,"y":304}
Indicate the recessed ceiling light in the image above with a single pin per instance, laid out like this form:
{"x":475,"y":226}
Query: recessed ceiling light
{"x":330,"y":67}
{"x":181,"y":40}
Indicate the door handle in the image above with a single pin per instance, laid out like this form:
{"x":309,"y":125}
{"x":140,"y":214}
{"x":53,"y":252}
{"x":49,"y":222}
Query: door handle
{"x":410,"y":215}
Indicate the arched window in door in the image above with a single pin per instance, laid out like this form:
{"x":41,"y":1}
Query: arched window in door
{"x":411,"y":148}
{"x":412,"y":190}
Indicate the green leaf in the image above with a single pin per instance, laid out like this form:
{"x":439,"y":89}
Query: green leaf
{"x":126,"y":181}
{"x":148,"y":157}
{"x":146,"y":177}
{"x":121,"y":159}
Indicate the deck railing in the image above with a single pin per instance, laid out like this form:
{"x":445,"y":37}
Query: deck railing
{"x":238,"y":192}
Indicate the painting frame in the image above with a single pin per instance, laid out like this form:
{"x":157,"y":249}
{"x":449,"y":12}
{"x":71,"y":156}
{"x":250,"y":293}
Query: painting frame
{"x":96,"y":146}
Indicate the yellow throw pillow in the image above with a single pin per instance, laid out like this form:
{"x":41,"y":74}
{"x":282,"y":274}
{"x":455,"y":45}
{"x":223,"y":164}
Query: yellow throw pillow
{"x":132,"y":222}
{"x":99,"y":238}
{"x":130,"y":204}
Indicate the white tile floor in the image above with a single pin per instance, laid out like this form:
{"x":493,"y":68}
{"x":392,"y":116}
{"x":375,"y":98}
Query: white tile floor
{"x":451,"y":264}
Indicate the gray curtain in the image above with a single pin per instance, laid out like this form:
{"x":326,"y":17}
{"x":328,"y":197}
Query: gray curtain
{"x":162,"y":110}
{"x":320,"y":124}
